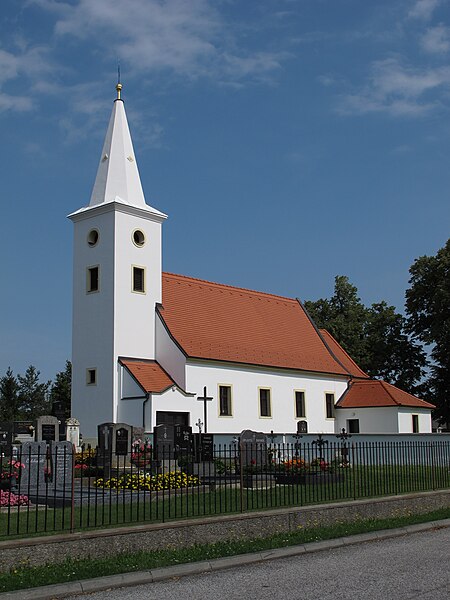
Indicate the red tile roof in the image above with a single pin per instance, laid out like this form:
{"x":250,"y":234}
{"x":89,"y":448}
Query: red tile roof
{"x":149,"y":374}
{"x":220,"y":322}
{"x":372,"y":392}
{"x":345,"y":359}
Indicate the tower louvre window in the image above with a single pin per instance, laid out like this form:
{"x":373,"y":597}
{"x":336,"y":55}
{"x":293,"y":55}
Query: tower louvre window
{"x":139,"y":280}
{"x":93,"y":279}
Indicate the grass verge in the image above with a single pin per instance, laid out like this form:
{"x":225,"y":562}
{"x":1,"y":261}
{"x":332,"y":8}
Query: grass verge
{"x":24,"y":577}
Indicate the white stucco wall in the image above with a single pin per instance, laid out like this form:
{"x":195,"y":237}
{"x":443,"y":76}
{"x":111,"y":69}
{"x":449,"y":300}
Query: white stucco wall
{"x":115,"y":321}
{"x":169,"y":355}
{"x":405,"y":420}
{"x":390,"y":419}
{"x":93,"y":321}
{"x":245,"y":382}
{"x":371,"y":420}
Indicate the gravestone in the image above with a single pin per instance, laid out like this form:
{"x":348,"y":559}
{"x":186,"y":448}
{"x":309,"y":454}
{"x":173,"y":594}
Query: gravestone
{"x":23,"y":431}
{"x":204,"y":447}
{"x":47,"y":429}
{"x":302,"y":427}
{"x":61,"y":461}
{"x":59,"y":411}
{"x":36,"y":466}
{"x":254,"y":448}
{"x":164,"y":441}
{"x":6,"y":438}
{"x":73,"y":432}
{"x":183,"y":439}
{"x":122,"y":438}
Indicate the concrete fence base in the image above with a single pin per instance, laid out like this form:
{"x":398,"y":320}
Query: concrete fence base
{"x":175,"y":534}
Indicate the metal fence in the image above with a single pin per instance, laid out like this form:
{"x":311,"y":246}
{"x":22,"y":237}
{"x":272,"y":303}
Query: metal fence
{"x":60,"y":490}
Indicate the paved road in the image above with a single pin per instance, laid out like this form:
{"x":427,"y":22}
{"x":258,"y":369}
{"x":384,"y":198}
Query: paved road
{"x":412,"y":566}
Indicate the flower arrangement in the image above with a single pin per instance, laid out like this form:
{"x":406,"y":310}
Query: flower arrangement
{"x":141,"y":451}
{"x":141,"y":482}
{"x":10,"y":499}
{"x":295,"y":465}
{"x":10,"y":470}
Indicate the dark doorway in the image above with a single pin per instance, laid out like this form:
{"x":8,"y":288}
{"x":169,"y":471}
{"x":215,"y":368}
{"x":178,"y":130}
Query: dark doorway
{"x":172,"y":418}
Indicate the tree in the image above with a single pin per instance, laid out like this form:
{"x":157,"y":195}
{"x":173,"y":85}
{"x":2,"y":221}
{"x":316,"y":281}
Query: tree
{"x":9,"y":397}
{"x":61,"y":389}
{"x":344,"y":316}
{"x":428,"y":310}
{"x":391,"y":353}
{"x":375,"y":337}
{"x":33,"y":395}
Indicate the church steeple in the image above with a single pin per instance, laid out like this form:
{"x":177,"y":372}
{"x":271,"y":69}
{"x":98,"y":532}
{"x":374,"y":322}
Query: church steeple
{"x":117,"y":175}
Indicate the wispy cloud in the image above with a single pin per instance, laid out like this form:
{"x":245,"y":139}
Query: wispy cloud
{"x":436,"y":40}
{"x":396,"y":89}
{"x":28,"y":63}
{"x":189,"y":39}
{"x":423,"y":9}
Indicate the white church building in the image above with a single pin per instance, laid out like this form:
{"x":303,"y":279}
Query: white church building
{"x":146,"y":343}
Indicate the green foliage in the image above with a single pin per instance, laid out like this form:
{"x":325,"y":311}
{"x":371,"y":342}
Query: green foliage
{"x":9,"y":397}
{"x":33,"y":395}
{"x":428,"y":310}
{"x":60,"y":392}
{"x":375,"y":337}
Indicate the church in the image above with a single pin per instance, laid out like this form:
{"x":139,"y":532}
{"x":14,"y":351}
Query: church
{"x":153,"y":348}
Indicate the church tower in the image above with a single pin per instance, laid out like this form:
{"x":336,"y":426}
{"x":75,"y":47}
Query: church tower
{"x":116,"y":278}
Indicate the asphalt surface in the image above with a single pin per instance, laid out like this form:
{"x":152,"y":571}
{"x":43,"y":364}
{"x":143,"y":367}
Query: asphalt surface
{"x":406,"y":563}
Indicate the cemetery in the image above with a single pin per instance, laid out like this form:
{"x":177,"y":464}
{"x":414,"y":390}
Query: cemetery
{"x":49,"y":484}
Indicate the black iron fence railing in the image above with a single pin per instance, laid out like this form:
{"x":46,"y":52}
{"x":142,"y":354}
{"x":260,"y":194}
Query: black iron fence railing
{"x":54,"y":489}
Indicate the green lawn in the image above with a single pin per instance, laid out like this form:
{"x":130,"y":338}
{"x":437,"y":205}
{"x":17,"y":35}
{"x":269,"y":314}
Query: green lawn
{"x":154,"y":507}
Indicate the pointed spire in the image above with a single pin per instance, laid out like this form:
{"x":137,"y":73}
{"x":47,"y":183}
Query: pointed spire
{"x":117,"y":175}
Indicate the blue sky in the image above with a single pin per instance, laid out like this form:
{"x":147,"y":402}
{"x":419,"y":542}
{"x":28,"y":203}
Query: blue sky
{"x":289,"y":141}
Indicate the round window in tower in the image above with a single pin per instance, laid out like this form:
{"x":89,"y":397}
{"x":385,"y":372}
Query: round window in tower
{"x":92,"y":238}
{"x":138,"y":238}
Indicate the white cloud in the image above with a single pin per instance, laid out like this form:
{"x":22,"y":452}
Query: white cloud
{"x":188,"y":38}
{"x":423,"y":9}
{"x":436,"y":40}
{"x":30,"y":63}
{"x":397,"y":90}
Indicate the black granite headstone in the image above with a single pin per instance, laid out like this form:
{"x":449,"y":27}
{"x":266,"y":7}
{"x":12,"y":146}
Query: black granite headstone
{"x":183,"y":438}
{"x":122,"y":441}
{"x":48,"y":432}
{"x":204,"y":447}
{"x":302,"y":427}
{"x":164,"y":441}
